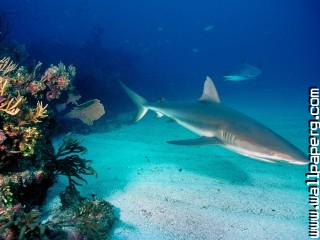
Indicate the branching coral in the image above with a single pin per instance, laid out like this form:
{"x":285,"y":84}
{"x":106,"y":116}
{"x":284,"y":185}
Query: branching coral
{"x":7,"y":66}
{"x":69,"y":163}
{"x":9,"y":105}
{"x":39,"y":113}
{"x":3,"y":85}
{"x":70,"y":145}
{"x":12,"y":105}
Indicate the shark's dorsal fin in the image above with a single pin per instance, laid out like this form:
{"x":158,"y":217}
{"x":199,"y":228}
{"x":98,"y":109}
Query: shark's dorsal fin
{"x":209,"y":91}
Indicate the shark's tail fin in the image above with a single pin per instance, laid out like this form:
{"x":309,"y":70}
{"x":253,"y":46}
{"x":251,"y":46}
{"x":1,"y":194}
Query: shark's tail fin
{"x":139,"y":101}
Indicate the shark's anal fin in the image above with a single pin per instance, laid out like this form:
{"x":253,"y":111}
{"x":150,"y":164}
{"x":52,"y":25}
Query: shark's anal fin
{"x":197,"y":141}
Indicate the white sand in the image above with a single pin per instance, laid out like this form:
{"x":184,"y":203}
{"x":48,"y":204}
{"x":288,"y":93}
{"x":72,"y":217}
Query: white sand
{"x":174,"y":192}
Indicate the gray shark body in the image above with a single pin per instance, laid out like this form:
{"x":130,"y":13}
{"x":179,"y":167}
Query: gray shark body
{"x":243,"y":72}
{"x":218,"y":124}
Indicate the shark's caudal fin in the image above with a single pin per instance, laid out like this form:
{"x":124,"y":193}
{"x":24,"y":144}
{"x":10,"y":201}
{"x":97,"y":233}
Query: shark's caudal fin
{"x":209,"y":91}
{"x":139,"y":101}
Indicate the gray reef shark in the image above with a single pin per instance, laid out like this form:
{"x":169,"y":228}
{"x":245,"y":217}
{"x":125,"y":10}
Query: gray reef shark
{"x":218,"y":124}
{"x":243,"y":72}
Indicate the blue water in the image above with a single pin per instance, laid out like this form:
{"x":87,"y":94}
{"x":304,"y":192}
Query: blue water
{"x":150,"y":44}
{"x":165,"y":49}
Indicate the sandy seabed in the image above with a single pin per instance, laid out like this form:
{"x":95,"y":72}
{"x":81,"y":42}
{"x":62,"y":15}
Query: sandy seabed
{"x":170,"y":192}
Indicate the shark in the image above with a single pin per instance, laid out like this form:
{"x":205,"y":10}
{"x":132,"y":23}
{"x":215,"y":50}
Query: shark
{"x":218,"y":124}
{"x":243,"y":72}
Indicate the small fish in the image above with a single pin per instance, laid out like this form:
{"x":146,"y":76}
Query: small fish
{"x":243,"y":72}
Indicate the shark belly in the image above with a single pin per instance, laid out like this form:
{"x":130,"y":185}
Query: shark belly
{"x":250,"y":154}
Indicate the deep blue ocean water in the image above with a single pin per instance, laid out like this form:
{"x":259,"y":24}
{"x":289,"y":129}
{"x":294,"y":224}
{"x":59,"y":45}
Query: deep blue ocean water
{"x":161,"y":48}
{"x":165,"y":49}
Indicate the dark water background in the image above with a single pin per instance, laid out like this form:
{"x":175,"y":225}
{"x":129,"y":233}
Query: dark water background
{"x":161,"y":48}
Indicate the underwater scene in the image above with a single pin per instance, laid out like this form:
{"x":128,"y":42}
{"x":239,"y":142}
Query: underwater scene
{"x":159,"y":120}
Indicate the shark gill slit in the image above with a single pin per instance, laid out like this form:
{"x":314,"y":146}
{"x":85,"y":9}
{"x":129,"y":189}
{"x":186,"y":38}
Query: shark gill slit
{"x":227,"y":137}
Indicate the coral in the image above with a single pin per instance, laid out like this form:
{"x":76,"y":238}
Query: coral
{"x":7,"y":66}
{"x":70,"y":197}
{"x":6,"y":195}
{"x":30,"y":138}
{"x":11,"y":105}
{"x":39,"y":113}
{"x":87,"y":112}
{"x":58,"y":79}
{"x":2,"y":137}
{"x":90,"y":218}
{"x":8,"y":104}
{"x":68,"y":163}
{"x":18,"y":223}
{"x":53,"y":83}
{"x":22,"y":111}
{"x":93,"y":218}
{"x":25,"y":146}
{"x":3,"y":85}
{"x":28,"y":162}
{"x":34,"y":88}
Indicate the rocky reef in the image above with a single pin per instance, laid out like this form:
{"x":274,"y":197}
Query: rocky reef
{"x":29,"y":164}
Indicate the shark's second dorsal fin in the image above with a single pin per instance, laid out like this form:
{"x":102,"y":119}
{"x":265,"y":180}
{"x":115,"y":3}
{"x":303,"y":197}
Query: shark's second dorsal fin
{"x":209,"y":91}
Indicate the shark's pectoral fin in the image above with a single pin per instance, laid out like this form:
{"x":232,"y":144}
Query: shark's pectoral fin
{"x":197,"y":141}
{"x":159,"y":114}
